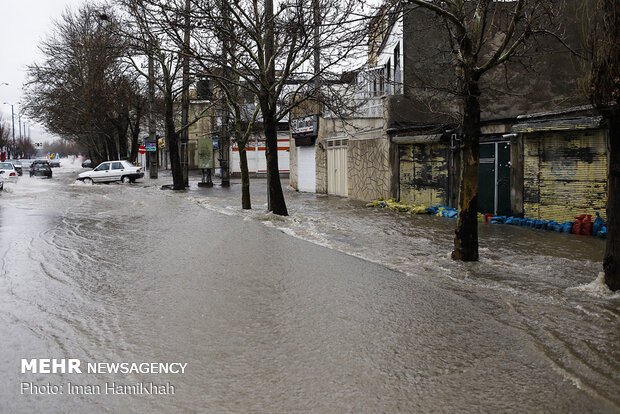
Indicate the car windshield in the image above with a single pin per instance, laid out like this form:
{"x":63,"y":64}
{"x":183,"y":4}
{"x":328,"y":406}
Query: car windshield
{"x":6,"y":165}
{"x":41,"y":167}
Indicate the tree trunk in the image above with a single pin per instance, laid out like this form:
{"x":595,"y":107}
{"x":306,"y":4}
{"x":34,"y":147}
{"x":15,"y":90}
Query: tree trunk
{"x":123,"y":124}
{"x":276,"y":197}
{"x":466,"y":239}
{"x":245,"y":178}
{"x":173,"y":148}
{"x":133,"y":155}
{"x":111,"y":148}
{"x":611,"y":261}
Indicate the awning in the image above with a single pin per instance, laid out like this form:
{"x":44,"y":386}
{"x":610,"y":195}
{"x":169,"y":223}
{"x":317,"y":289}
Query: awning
{"x":417,"y":139}
{"x":571,"y":124}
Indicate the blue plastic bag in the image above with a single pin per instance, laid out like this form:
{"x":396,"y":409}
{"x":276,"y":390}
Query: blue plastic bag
{"x":598,"y":225}
{"x":602,"y":232}
{"x":567,"y":227}
{"x":497,"y":220}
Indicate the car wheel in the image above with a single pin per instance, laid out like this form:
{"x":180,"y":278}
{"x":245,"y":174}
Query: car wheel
{"x":88,"y":181}
{"x":125,"y":179}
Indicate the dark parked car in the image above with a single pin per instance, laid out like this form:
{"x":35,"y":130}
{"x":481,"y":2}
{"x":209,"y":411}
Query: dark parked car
{"x":41,"y":169}
{"x":87,"y":164}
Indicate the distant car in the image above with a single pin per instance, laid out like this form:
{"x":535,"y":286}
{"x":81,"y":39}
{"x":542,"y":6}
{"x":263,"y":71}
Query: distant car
{"x":40,"y":168}
{"x":112,"y":171}
{"x":17,"y":164}
{"x":8,"y":172}
{"x":54,"y":163}
{"x":87,"y":164}
{"x":25,"y":164}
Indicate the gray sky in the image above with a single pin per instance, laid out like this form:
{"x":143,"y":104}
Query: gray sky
{"x":23,"y":23}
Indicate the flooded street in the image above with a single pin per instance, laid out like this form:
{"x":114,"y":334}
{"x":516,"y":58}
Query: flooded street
{"x":336,"y":308}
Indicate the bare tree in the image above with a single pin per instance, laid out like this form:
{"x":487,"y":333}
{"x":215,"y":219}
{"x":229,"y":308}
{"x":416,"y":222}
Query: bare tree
{"x":79,"y":91}
{"x":156,"y":29}
{"x":482,"y":35}
{"x":24,"y":147}
{"x":5,"y":132}
{"x":248,"y":49}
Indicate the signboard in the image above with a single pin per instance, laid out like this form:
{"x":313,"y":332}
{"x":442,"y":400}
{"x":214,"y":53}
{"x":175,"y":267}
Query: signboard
{"x":305,"y":130}
{"x":142,"y":149}
{"x":151,"y":146}
{"x":304,"y":125}
{"x":205,"y":153}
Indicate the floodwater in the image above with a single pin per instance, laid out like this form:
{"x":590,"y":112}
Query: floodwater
{"x":336,"y":308}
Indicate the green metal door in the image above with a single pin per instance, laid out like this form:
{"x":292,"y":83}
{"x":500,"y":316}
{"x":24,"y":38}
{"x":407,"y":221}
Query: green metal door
{"x":494,"y":178}
{"x":503,"y":179}
{"x":486,"y":179}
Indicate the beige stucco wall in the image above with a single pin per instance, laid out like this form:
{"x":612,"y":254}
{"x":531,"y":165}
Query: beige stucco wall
{"x":321,"y":159}
{"x":292,"y":162}
{"x":369,"y":168}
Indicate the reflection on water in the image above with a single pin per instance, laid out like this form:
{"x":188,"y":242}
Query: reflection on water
{"x":132,"y":273}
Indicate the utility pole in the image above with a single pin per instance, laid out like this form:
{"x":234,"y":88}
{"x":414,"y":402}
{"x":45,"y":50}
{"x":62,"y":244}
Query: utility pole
{"x":13,"y":127}
{"x":185,"y":98}
{"x":153,"y":158}
{"x":224,"y":139}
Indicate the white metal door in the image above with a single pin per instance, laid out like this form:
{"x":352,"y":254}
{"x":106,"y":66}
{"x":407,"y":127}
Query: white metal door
{"x":306,"y":169}
{"x":337,"y":167}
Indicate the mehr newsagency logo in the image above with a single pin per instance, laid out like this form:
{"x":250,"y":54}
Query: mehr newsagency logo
{"x":76,"y":366}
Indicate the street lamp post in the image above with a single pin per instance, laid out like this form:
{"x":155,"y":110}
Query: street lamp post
{"x":13,"y":129}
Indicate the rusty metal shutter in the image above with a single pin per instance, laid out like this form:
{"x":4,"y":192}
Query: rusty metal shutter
{"x":565,"y":174}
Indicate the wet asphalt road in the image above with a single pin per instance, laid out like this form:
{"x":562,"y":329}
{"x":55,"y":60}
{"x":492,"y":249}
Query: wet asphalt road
{"x":265,"y":321}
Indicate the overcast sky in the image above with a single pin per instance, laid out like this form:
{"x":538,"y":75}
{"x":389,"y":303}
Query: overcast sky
{"x":23,"y":23}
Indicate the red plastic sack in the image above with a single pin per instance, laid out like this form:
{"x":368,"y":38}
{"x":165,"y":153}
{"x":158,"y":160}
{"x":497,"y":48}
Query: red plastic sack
{"x":583,"y":225}
{"x":586,"y":228}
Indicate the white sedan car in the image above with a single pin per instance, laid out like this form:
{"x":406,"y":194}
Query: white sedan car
{"x":8,"y":173}
{"x":112,"y":171}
